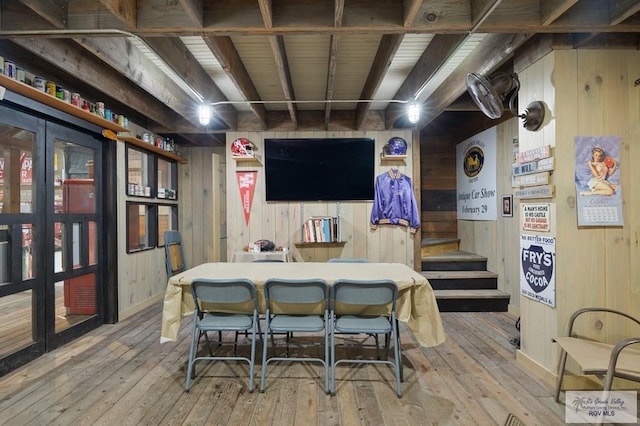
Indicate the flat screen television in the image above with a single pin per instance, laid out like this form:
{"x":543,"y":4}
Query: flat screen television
{"x":319,"y":169}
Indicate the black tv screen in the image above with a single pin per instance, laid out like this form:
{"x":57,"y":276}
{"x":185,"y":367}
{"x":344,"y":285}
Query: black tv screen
{"x":319,"y":169}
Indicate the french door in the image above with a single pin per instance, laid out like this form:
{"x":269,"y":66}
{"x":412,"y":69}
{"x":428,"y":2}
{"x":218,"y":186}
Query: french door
{"x":51,"y":246}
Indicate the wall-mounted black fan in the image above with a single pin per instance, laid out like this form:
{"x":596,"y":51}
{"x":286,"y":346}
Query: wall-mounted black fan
{"x":491,"y":93}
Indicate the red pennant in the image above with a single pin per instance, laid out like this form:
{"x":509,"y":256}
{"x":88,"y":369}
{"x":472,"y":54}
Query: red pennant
{"x":247,"y":184}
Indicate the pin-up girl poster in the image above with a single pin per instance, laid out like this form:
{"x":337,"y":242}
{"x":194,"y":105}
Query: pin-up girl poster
{"x":599,"y":194}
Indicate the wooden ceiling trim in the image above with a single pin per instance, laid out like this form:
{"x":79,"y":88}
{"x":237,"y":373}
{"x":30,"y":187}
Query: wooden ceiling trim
{"x":388,"y":47}
{"x":54,"y":11}
{"x":229,"y":59}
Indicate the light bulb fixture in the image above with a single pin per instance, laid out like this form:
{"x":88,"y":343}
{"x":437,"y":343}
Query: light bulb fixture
{"x":205,"y":111}
{"x":413,"y":112}
{"x":204,"y":114}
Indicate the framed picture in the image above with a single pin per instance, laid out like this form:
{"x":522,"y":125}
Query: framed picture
{"x":507,"y":205}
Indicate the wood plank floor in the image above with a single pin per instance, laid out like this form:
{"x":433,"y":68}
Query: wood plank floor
{"x":121,"y":374}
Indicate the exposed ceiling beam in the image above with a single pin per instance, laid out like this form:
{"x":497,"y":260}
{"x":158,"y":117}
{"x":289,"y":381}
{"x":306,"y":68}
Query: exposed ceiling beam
{"x":332,"y":65}
{"x":141,"y":70}
{"x":54,"y":11}
{"x":280,"y":57}
{"x":228,"y":57}
{"x":494,"y":50}
{"x":124,"y":10}
{"x":228,"y":17}
{"x":386,"y":51}
{"x":93,"y":72}
{"x":411,"y":9}
{"x":623,"y":9}
{"x":193,"y":9}
{"x":550,"y":10}
{"x":174,"y":53}
{"x":442,"y":46}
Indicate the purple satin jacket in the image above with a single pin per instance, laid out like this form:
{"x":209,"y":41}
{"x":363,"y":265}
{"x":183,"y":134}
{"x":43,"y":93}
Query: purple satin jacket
{"x":394,"y":202}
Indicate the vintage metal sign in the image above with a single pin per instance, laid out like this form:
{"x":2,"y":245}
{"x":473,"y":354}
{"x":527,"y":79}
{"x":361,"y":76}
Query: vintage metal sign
{"x":536,"y":217}
{"x":534,"y":154}
{"x":535,"y":179}
{"x":543,"y":191}
{"x":543,"y":165}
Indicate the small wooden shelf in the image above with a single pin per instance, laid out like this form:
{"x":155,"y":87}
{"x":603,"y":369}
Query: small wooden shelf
{"x":59,"y":104}
{"x":320,"y":244}
{"x":384,"y":157}
{"x":142,"y":144}
{"x":247,"y":159}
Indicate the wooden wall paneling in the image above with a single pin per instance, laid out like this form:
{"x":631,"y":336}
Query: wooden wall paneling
{"x":507,"y":260}
{"x":538,"y":321}
{"x":185,"y":212}
{"x":200,"y":208}
{"x":218,"y":204}
{"x":631,"y":176}
{"x":282,"y":221}
{"x":142,"y":276}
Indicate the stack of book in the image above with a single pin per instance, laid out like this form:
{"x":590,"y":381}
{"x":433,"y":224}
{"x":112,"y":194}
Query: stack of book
{"x":322,"y":229}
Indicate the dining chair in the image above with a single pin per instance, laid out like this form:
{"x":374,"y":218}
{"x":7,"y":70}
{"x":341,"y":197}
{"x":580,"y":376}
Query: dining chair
{"x":295,"y":306}
{"x":174,"y":255}
{"x":213,"y":300}
{"x":365,"y":307}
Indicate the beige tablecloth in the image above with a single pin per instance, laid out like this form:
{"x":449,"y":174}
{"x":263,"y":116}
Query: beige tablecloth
{"x":416,"y":301}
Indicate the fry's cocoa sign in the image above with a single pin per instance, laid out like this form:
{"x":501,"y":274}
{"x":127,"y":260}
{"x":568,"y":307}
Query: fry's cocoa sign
{"x":537,"y":268}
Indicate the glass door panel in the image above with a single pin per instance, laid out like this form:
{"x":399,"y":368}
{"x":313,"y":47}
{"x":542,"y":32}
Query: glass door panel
{"x":76,"y":209}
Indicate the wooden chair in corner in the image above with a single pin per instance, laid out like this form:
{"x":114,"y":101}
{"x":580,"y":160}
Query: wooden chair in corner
{"x":174,"y":254}
{"x":604,"y":360}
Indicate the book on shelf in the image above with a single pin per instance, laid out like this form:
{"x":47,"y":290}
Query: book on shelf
{"x":322,"y":229}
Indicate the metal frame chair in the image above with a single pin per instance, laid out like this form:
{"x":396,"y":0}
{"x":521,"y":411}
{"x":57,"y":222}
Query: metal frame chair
{"x":300,"y":306}
{"x":598,"y":358}
{"x":231,"y":293}
{"x":375,"y":302}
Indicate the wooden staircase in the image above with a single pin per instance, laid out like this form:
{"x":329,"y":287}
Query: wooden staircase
{"x":460,"y":279}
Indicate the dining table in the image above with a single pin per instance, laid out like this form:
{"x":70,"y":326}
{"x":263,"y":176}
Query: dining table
{"x":416,"y":304}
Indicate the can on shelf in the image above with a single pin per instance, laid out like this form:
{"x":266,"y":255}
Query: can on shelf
{"x":50,"y":88}
{"x":100,"y":109}
{"x":75,"y":99}
{"x":121,"y":120}
{"x":20,"y":76}
{"x":10,"y":69}
{"x":85,"y":105}
{"x":39,"y":83}
{"x":59,"y":92}
{"x":66,"y":95}
{"x":107,"y":114}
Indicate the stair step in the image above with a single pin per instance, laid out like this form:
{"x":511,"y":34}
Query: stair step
{"x":472,"y":300}
{"x":457,"y":260}
{"x":462,"y":280}
{"x":432,"y":246}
